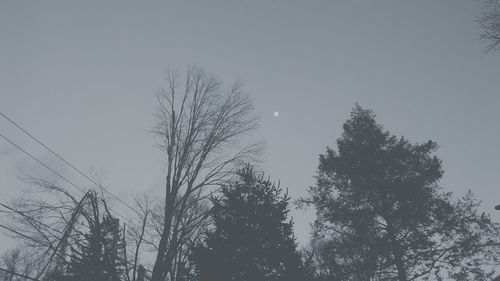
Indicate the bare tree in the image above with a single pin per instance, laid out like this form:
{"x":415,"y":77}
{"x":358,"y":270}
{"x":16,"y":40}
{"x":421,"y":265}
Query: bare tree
{"x":199,"y":126}
{"x":70,"y":236}
{"x":17,"y":263}
{"x":490,"y":24}
{"x":192,"y":224}
{"x":137,"y":233}
{"x":46,"y":224}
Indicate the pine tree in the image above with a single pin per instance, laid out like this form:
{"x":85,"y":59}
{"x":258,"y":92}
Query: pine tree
{"x":100,"y":255}
{"x":252,"y":238}
{"x":381,"y":214}
{"x":97,"y":254}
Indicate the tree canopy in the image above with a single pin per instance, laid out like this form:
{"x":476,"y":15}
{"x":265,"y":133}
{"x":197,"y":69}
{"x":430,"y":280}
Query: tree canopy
{"x":381,"y":214}
{"x":252,"y":238}
{"x":490,"y":24}
{"x":199,"y":126}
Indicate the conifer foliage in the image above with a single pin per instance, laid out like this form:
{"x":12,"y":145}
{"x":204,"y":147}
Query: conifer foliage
{"x":381,"y":214}
{"x":100,"y":256}
{"x":252,"y":238}
{"x":98,"y":253}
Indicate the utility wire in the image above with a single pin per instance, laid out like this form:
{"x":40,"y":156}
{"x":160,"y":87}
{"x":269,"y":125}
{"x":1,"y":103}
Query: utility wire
{"x":72,"y":166}
{"x":37,"y":242}
{"x":41,"y":163}
{"x":12,"y":210}
{"x":27,"y":237}
{"x":21,"y":213}
{"x":61,"y":176}
{"x":49,"y":245}
{"x":18,"y":274}
{"x":68,"y":163}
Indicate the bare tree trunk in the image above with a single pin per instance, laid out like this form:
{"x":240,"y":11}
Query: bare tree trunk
{"x":138,"y":244}
{"x":398,"y":255}
{"x":199,"y":126}
{"x":141,"y":273}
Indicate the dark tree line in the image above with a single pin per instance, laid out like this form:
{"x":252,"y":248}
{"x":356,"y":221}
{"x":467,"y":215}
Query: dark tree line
{"x":252,"y":237}
{"x":380,"y":212}
{"x":490,"y":24}
{"x":199,"y":126}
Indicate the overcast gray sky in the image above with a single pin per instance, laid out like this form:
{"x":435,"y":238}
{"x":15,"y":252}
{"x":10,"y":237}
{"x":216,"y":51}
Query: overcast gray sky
{"x":81,"y":76}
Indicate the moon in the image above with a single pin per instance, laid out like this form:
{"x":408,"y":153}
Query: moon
{"x":276,"y":114}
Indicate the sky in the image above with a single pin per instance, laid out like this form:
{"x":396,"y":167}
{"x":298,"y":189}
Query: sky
{"x":81,"y":77}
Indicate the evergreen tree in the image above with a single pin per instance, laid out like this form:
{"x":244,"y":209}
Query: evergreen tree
{"x":251,"y":239}
{"x":381,"y":214}
{"x":97,"y":254}
{"x":100,"y":255}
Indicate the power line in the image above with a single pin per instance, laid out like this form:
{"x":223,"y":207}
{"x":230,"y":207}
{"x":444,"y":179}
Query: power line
{"x":27,"y":237}
{"x":41,"y":163}
{"x":68,"y":163}
{"x":12,"y":210}
{"x":40,"y":243}
{"x":18,"y":274}
{"x":64,"y":178}
{"x":61,"y":176}
{"x":73,"y":167}
{"x":49,"y":245}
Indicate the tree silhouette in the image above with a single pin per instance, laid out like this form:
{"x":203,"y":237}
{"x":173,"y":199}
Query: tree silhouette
{"x":199,"y":127}
{"x":251,"y":239}
{"x":17,"y":263}
{"x":100,"y":256}
{"x":382,"y":216}
{"x":68,"y":238}
{"x":490,"y":24}
{"x":99,"y":253}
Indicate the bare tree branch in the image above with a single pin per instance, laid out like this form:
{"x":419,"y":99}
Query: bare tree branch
{"x":199,"y":127}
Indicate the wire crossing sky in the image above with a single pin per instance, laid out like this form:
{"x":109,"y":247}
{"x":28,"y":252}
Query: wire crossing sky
{"x":81,"y":77}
